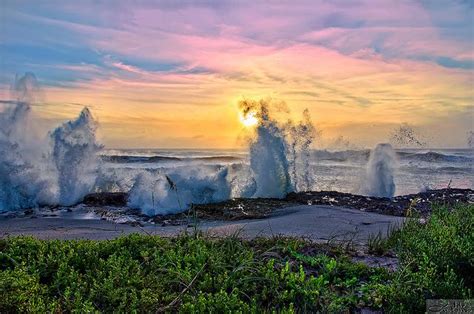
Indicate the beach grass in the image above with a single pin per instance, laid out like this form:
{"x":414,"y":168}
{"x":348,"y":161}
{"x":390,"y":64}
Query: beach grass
{"x":199,"y":273}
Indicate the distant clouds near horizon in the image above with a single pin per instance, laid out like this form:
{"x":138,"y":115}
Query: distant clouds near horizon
{"x":170,"y":73}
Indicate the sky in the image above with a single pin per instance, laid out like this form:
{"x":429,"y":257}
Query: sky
{"x":169,"y":74}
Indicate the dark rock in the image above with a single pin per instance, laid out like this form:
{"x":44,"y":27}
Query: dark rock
{"x":419,"y":204}
{"x":106,"y":199}
{"x":240,"y":208}
{"x":134,"y":223}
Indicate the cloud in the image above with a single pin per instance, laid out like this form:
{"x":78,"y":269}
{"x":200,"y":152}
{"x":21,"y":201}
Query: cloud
{"x":351,"y":62}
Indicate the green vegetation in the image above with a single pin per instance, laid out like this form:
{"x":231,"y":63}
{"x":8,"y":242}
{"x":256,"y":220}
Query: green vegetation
{"x":201,"y":274}
{"x":436,"y":257}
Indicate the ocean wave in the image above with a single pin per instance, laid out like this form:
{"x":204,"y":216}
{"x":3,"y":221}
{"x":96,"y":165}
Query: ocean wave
{"x":215,"y":158}
{"x":433,"y":157}
{"x":342,"y":156}
{"x":363,"y":155}
{"x":357,"y":156}
{"x":159,"y":158}
{"x":446,"y":170}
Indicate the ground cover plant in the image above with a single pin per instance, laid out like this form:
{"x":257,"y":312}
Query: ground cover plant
{"x":436,"y":258}
{"x":197,"y":273}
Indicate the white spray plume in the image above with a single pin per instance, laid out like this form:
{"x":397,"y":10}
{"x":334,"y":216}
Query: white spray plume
{"x":159,"y":194}
{"x":75,"y":154}
{"x":379,"y":180}
{"x":301,"y":137}
{"x":25,"y":175}
{"x":279,"y":152}
{"x":35,"y":171}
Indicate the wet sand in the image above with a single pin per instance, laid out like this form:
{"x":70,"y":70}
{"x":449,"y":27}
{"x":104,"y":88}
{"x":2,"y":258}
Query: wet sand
{"x":315,"y":222}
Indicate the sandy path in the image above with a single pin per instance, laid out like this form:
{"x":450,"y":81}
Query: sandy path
{"x":320,"y":223}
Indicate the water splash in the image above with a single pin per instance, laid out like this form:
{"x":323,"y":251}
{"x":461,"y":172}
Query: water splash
{"x":301,"y":137}
{"x":26,"y":88}
{"x":268,"y":160}
{"x":405,"y":136}
{"x":379,"y":180}
{"x":339,"y":143}
{"x":26,"y":178}
{"x":279,"y":152}
{"x":159,"y":194}
{"x":34,"y":170}
{"x":470,"y":139}
{"x":279,"y":156}
{"x":75,"y":154}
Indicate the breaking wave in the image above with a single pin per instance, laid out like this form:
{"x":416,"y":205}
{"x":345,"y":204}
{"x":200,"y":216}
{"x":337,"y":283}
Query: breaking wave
{"x":360,"y":156}
{"x":363,"y":156}
{"x":41,"y":170}
{"x":433,"y":157}
{"x":158,"y":158}
{"x":174,"y":192}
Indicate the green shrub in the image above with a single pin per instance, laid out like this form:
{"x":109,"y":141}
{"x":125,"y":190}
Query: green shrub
{"x":201,"y":274}
{"x":436,"y":258}
{"x":147,"y":273}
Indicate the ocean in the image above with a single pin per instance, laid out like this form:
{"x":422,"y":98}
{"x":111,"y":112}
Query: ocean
{"x":416,"y":169}
{"x":68,"y":163}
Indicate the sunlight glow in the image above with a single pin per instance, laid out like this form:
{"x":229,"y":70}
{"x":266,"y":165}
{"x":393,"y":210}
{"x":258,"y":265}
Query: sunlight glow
{"x":250,"y":119}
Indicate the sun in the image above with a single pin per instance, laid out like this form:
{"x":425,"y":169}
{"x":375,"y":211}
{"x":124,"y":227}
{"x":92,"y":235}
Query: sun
{"x":249,"y":119}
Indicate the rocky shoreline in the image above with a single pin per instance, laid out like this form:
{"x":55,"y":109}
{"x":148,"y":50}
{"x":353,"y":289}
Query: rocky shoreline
{"x":113,"y":206}
{"x":419,"y":204}
{"x":404,"y":205}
